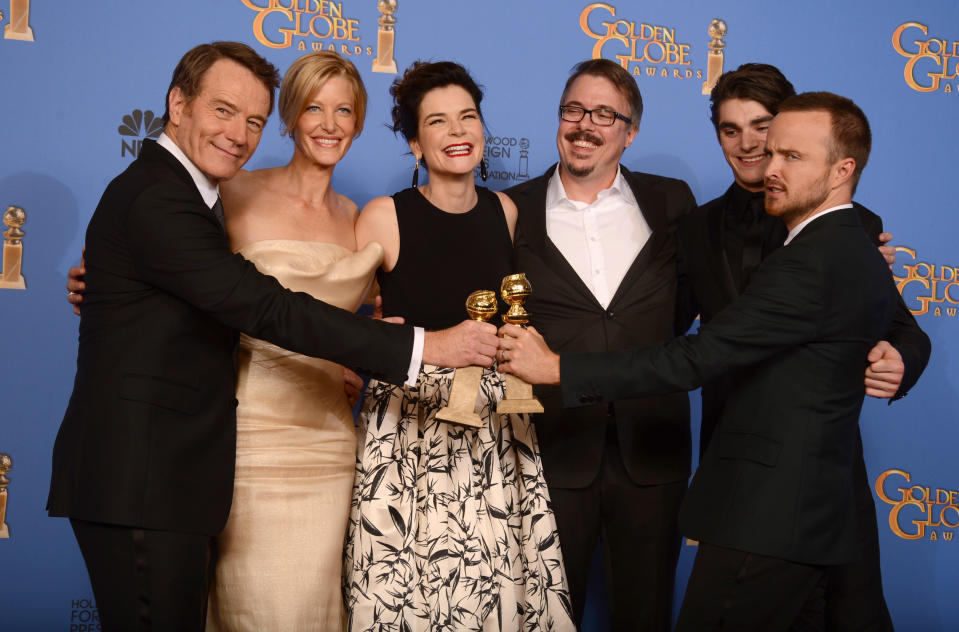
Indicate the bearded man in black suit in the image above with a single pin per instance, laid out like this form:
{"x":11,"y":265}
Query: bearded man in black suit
{"x":143,"y":461}
{"x":596,"y":241}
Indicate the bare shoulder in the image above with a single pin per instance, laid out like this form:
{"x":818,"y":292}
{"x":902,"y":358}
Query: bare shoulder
{"x":377,"y":222}
{"x":509,"y":211}
{"x":348,"y":206}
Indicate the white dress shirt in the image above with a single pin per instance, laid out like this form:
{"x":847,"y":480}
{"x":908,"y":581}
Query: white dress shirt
{"x":210,"y":192}
{"x":599,"y":240}
{"x":798,"y":227}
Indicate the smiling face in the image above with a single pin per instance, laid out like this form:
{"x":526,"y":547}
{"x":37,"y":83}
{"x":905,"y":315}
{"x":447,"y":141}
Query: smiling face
{"x":587,"y":150}
{"x":449,"y":132}
{"x":326,"y":127}
{"x":800,"y":177}
{"x":742,"y":128}
{"x":220,"y":128}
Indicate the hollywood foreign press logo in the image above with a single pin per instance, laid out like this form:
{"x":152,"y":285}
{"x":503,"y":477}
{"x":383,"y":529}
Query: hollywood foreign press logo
{"x":136,"y":126}
{"x":507,"y":159}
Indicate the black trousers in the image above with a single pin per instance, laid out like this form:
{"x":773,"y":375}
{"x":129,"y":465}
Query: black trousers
{"x":738,"y":591}
{"x":854,"y":598}
{"x":144,"y":579}
{"x":636,"y":526}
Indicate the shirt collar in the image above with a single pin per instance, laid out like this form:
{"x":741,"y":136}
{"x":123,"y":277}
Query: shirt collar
{"x":798,"y":228}
{"x":210,"y":192}
{"x":556,"y":192}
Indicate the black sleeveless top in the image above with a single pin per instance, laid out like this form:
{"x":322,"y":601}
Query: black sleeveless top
{"x":444,"y":257}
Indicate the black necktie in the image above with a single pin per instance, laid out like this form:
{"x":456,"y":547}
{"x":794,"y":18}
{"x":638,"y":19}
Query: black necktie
{"x":752,"y":238}
{"x":218,"y":211}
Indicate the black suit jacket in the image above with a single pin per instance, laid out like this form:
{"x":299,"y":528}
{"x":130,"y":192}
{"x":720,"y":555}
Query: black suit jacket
{"x":777,"y":478}
{"x":148,"y":438}
{"x":707,"y":287}
{"x":653,"y":431}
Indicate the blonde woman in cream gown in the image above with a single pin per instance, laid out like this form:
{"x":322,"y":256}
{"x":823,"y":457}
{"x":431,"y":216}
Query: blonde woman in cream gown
{"x":279,"y":559}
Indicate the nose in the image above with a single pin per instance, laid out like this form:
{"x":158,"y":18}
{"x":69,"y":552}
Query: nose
{"x":328,"y":122}
{"x":456,"y":127}
{"x":772,"y":168}
{"x":751,"y":139}
{"x":236,"y":131}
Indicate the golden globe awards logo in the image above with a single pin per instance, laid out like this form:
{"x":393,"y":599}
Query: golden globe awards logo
{"x":648,"y":50}
{"x":926,"y":288}
{"x":918,"y":511}
{"x":312,"y":25}
{"x":932,"y":60}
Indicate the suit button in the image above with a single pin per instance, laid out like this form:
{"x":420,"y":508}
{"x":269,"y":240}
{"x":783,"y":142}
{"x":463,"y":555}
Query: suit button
{"x":609,"y":313}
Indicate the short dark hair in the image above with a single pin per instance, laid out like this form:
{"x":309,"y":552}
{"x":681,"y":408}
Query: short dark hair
{"x":421,"y":77}
{"x":618,"y":76}
{"x":188,"y":74}
{"x":762,"y":83}
{"x":851,"y":137}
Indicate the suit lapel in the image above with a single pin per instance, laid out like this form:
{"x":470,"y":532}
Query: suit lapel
{"x":717,"y":240}
{"x":533,"y":219}
{"x":652,"y":204}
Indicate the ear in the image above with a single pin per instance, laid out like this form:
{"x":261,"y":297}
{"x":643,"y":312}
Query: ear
{"x":175,"y":104}
{"x":416,"y":149}
{"x":842,"y":171}
{"x":630,"y":135}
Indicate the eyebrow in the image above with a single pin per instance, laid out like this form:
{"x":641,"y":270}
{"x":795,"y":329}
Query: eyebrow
{"x":463,"y":111}
{"x":218,"y":101}
{"x":755,"y":121}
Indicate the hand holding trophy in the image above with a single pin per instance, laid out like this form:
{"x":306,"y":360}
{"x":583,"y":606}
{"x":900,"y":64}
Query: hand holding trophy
{"x":515,"y":289}
{"x":461,"y":408}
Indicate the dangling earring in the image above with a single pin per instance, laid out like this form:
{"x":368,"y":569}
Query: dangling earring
{"x":483,"y":173}
{"x":416,"y":174}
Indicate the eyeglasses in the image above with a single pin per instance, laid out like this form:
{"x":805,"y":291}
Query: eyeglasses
{"x":599,"y":116}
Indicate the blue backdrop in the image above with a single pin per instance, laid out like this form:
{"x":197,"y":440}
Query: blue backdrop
{"x":76,"y":102}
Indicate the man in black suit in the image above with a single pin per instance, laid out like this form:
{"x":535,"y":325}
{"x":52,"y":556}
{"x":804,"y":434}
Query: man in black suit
{"x":143,"y":461}
{"x":720,"y":247}
{"x":772,"y":502}
{"x":597,"y":244}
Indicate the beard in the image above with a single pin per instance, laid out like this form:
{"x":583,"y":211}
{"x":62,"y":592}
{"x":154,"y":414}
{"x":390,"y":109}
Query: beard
{"x":792,"y":210}
{"x":581,"y":172}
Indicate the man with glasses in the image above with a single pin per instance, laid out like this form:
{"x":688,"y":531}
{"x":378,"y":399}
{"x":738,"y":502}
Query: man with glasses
{"x":597,"y":244}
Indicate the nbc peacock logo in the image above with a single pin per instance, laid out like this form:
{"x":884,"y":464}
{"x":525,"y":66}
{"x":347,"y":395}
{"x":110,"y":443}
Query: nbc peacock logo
{"x":136,"y":126}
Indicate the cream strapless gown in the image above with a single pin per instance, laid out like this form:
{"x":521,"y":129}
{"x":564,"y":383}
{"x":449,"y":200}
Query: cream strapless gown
{"x":280,"y":555}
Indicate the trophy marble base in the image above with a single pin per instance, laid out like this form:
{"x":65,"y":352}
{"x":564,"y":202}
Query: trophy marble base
{"x":10,"y":277}
{"x":384,"y":61}
{"x":11,"y":34}
{"x":463,"y":393}
{"x":519,"y":397}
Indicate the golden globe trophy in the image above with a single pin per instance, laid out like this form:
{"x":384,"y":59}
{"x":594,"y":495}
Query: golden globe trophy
{"x":19,"y":26}
{"x":11,"y":278}
{"x":461,"y":408}
{"x":5,"y":464}
{"x":714,"y":60}
{"x":385,"y":37}
{"x":519,"y":395}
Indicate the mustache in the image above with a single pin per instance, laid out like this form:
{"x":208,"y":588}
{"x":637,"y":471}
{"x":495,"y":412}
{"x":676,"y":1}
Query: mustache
{"x":583,"y":135}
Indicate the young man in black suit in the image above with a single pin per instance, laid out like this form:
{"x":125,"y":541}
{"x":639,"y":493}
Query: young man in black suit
{"x":143,"y":461}
{"x":772,"y":503}
{"x":597,"y":244}
{"x":720,"y":247}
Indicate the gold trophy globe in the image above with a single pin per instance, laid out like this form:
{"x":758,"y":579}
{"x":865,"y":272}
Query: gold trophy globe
{"x":515,"y":289}
{"x":461,"y":408}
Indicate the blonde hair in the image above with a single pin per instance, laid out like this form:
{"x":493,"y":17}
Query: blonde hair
{"x":306,"y":76}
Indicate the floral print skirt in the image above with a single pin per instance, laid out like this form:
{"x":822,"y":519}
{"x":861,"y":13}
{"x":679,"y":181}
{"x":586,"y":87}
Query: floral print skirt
{"x":450,"y":527}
